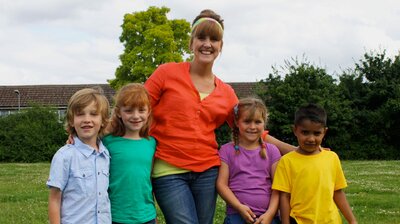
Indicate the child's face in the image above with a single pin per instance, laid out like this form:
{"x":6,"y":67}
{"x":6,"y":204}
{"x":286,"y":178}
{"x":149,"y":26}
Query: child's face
{"x":250,"y":129}
{"x":309,"y":136}
{"x":134,"y":118}
{"x":87,"y":124}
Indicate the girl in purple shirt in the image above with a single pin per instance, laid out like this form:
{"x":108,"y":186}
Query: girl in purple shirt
{"x":247,"y":168}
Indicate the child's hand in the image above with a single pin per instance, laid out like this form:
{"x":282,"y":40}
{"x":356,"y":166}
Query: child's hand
{"x":246,"y":213}
{"x":264,"y":219}
{"x":70,"y":140}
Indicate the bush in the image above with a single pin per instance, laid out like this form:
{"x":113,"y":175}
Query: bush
{"x":33,"y":135}
{"x":223,"y":135}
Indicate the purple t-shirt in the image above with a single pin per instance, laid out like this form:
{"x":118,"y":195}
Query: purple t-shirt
{"x":250,"y":176}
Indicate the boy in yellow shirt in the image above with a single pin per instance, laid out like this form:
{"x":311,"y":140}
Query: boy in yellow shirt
{"x":310,"y":179}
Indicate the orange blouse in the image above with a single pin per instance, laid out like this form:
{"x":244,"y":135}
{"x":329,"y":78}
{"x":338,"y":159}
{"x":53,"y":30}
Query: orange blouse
{"x":184,"y":125}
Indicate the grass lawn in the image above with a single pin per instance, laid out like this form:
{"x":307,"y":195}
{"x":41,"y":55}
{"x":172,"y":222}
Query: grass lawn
{"x":373,"y":192}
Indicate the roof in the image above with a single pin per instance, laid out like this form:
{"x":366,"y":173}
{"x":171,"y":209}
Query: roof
{"x":47,"y":95}
{"x":243,"y":89}
{"x":58,"y":95}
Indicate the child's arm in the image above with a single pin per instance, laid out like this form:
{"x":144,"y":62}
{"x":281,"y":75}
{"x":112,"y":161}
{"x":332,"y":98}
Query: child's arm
{"x":284,"y":207}
{"x":282,"y":146}
{"x":341,"y":202}
{"x":269,"y":215}
{"x":55,"y":205}
{"x":226,"y":193}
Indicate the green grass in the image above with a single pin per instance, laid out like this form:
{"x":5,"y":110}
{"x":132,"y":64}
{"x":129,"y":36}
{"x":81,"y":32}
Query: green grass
{"x":373,"y":192}
{"x":23,"y":193}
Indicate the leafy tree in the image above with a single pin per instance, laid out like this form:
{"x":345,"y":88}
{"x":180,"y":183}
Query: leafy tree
{"x":374,"y":90}
{"x":150,"y":39}
{"x":299,"y":84}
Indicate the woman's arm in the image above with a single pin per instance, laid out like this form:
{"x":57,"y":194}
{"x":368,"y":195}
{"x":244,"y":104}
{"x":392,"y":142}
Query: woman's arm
{"x":55,"y":205}
{"x":226,"y":193}
{"x":341,"y":202}
{"x":282,"y":146}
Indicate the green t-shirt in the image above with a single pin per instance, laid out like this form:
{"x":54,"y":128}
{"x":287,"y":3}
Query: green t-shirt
{"x":130,"y":188}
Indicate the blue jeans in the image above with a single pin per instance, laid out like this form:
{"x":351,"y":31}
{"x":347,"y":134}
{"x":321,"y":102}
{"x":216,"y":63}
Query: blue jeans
{"x":149,"y":222}
{"x":187,"y":198}
{"x":237,"y":219}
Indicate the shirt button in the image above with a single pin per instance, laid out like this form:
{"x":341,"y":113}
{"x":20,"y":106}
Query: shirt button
{"x":83,"y":175}
{"x":98,"y":211}
{"x":99,"y":193}
{"x":98,"y":173}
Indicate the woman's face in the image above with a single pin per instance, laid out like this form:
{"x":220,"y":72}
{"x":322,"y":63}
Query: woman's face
{"x":205,"y":48}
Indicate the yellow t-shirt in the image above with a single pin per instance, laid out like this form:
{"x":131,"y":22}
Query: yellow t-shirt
{"x":311,"y":181}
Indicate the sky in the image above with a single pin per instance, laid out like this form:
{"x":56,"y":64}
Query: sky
{"x":77,"y":42}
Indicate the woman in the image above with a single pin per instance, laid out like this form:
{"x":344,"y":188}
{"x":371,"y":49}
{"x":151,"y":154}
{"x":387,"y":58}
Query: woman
{"x":189,"y":102}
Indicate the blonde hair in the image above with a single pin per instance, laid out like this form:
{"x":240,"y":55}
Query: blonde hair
{"x":249,"y":106}
{"x":132,"y":95}
{"x":208,"y":28}
{"x":83,"y":98}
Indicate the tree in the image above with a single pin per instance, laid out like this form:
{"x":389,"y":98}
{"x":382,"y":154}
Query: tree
{"x":303,"y":83}
{"x":374,"y":90}
{"x":150,"y":39}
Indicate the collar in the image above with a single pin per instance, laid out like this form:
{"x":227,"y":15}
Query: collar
{"x":87,"y":150}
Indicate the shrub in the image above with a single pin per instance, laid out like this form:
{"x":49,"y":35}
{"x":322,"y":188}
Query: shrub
{"x":33,"y":135}
{"x":223,"y":134}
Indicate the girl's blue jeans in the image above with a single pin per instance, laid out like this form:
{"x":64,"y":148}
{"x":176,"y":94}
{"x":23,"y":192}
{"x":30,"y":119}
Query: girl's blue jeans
{"x":187,"y":198}
{"x":237,"y":219}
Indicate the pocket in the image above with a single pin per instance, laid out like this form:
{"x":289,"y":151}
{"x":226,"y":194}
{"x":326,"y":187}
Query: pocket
{"x":105,"y":177}
{"x":106,"y":173}
{"x":82,"y":181}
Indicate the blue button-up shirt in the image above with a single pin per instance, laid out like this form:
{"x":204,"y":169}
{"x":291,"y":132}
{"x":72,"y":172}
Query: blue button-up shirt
{"x":81,"y":173}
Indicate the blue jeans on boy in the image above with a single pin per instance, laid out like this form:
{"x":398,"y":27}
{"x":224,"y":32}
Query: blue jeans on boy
{"x":149,"y":222}
{"x":237,"y":219}
{"x":187,"y":198}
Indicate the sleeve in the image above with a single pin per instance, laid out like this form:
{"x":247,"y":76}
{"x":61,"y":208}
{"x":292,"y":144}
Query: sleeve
{"x":281,"y":179}
{"x":155,"y":85}
{"x":59,"y":171}
{"x":234,"y":101}
{"x":224,"y":153}
{"x":264,"y":134}
{"x":230,"y":119}
{"x":273,"y":152}
{"x":340,"y":182}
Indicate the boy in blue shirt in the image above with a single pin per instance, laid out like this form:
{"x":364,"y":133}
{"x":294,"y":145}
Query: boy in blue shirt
{"x":79,"y":173}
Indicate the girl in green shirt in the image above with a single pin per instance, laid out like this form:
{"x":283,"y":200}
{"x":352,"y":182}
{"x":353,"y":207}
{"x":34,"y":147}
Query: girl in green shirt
{"x":131,"y":150}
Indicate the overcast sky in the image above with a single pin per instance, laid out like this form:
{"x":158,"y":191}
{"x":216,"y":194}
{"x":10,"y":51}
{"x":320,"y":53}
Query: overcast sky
{"x":77,"y":41}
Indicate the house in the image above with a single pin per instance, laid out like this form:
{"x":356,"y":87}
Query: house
{"x":14,"y":98}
